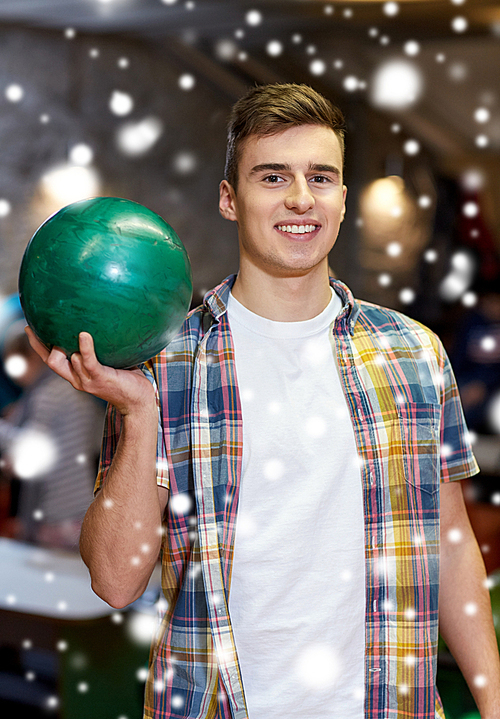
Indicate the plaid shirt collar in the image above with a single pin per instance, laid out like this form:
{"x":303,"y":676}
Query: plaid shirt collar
{"x":216,"y":300}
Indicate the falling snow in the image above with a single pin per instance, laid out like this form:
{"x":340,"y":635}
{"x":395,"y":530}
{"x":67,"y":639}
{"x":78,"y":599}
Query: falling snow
{"x":459,"y":24}
{"x":187,"y":81}
{"x":412,"y":48}
{"x":424,"y":201}
{"x":394,"y":249}
{"x":15,"y":366}
{"x":390,"y":8}
{"x":253,"y":18}
{"x":274,"y":48}
{"x":480,"y":681}
{"x":317,"y":67}
{"x":455,"y":536}
{"x":396,"y":84}
{"x":407,"y":295}
{"x":5,"y":207}
{"x":120,"y":103}
{"x":180,"y":504}
{"x":33,"y":454}
{"x":318,"y":667}
{"x":14,"y":93}
{"x":411,"y":147}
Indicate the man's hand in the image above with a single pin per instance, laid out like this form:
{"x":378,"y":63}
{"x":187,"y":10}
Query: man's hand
{"x":128,"y":390}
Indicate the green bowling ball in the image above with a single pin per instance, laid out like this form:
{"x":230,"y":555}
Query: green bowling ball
{"x":110,"y":267}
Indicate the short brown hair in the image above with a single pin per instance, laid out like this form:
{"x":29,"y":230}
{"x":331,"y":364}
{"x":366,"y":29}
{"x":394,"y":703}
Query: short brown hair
{"x":270,"y":109}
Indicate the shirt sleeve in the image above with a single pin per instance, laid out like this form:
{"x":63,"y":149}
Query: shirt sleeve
{"x":111,"y":435}
{"x":457,"y":458}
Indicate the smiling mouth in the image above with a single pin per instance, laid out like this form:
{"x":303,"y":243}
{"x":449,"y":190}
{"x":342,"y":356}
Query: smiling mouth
{"x":298,"y":229}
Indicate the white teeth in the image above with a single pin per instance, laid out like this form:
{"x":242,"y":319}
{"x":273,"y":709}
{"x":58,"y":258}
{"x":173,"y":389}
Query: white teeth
{"x":297,"y":229}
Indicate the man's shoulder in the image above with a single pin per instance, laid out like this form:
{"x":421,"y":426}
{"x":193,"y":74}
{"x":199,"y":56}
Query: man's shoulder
{"x":198,"y":321}
{"x":386,"y":321}
{"x":189,"y":335}
{"x":378,"y":319}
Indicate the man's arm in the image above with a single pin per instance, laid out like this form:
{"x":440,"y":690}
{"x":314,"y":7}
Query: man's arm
{"x":121,"y":532}
{"x":465,"y":616}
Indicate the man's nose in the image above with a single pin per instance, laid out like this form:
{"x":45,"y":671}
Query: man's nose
{"x":299,"y":196}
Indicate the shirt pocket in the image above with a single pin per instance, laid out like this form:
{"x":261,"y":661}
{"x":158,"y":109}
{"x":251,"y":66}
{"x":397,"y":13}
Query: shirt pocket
{"x":418,"y":435}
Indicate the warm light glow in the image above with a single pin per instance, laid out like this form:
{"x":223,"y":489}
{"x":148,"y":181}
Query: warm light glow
{"x":68,"y":183}
{"x":395,"y":232}
{"x":384,"y":195}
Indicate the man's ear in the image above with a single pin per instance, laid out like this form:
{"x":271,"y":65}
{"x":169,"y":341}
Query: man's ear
{"x":344,"y":195}
{"x":227,"y":204}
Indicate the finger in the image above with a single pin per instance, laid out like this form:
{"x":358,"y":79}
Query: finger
{"x":79,"y":370}
{"x":87,"y":351}
{"x":59,"y":363}
{"x":87,"y":362}
{"x":55,"y":358}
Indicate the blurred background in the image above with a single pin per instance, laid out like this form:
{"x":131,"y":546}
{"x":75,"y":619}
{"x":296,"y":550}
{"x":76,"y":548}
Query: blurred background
{"x":130,"y":98}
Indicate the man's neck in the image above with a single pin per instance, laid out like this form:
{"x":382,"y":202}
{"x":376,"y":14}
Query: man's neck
{"x":283,"y":299}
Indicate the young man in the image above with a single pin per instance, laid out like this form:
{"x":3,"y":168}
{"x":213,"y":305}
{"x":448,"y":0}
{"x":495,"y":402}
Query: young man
{"x":299,"y":475}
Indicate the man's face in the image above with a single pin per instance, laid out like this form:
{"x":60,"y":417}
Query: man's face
{"x":290,"y":200}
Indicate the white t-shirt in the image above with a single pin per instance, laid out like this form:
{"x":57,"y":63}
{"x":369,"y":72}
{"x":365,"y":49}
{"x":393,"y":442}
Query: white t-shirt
{"x":297,"y":597}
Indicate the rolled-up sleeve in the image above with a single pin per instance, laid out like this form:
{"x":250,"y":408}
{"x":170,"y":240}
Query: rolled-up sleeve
{"x":457,"y":458}
{"x":111,"y":435}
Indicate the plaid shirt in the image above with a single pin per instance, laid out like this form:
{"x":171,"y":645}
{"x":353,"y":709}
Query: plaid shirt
{"x":410,"y":435}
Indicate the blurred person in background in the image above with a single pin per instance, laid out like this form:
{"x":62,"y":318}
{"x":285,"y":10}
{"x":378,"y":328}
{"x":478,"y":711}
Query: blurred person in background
{"x":476,"y":359}
{"x":49,"y":440}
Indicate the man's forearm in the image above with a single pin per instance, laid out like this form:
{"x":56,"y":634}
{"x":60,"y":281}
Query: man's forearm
{"x":466,"y":622}
{"x":121,"y":532}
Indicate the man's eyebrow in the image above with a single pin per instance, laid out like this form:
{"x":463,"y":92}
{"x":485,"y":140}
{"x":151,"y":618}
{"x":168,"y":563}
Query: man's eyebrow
{"x":285,"y":167}
{"x":325,"y":168}
{"x":270,"y":166}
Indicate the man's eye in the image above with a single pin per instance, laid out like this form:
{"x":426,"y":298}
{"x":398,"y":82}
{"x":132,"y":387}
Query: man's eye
{"x":272,"y":178}
{"x":321,"y":179}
